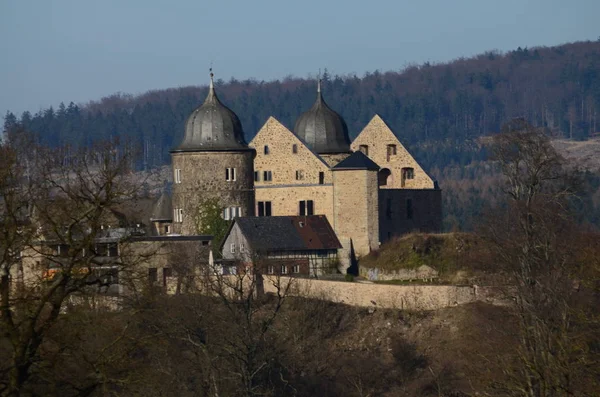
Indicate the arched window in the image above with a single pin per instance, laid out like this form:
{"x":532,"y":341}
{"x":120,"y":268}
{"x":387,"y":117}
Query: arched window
{"x":385,"y":177}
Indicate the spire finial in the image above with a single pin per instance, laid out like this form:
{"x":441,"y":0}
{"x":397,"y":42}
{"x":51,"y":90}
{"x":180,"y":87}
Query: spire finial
{"x":212,"y":75}
{"x":319,"y":81}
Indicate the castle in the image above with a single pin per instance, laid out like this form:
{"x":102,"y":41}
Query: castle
{"x":370,"y":189}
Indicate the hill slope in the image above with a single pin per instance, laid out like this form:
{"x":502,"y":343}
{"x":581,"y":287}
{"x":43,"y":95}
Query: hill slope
{"x":556,"y":87}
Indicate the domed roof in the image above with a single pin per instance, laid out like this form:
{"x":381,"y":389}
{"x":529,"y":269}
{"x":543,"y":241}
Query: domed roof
{"x":323,"y":130}
{"x":213,"y":126}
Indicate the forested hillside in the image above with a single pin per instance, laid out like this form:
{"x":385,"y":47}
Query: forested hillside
{"x":438,"y":111}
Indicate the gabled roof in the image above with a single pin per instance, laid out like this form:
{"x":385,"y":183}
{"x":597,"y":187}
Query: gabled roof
{"x":357,"y":161}
{"x":287,"y":233}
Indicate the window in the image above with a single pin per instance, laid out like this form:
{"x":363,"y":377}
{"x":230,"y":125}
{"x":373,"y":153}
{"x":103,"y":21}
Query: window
{"x":391,"y":151}
{"x":242,"y":246}
{"x":167,"y":272}
{"x":296,"y":269}
{"x":177,"y":175}
{"x":409,"y":209}
{"x":270,"y":270}
{"x":230,"y":174}
{"x":232,"y":248}
{"x":407,"y":173}
{"x":231,"y":213}
{"x":256,"y":176}
{"x":284,"y":269}
{"x":301,"y":224}
{"x":152,"y":275}
{"x":178,"y":215}
{"x":299,"y":175}
{"x":364,"y":149}
{"x":267,"y":176}
{"x":264,"y":208}
{"x":266,"y":149}
{"x":294,"y":148}
{"x":306,"y":207}
{"x":167,"y":229}
{"x":321,"y":178}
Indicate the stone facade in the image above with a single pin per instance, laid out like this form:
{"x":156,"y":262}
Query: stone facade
{"x":208,"y":175}
{"x":297,"y":174}
{"x":384,"y":148}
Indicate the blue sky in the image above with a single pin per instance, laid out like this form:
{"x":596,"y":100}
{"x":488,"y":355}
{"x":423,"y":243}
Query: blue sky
{"x":80,"y":50}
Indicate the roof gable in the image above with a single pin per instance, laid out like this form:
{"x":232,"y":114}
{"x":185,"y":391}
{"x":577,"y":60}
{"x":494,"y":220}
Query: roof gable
{"x":274,"y":126}
{"x":377,"y":125}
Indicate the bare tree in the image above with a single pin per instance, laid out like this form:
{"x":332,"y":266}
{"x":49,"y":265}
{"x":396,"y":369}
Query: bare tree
{"x":55,"y":204}
{"x":536,"y":241}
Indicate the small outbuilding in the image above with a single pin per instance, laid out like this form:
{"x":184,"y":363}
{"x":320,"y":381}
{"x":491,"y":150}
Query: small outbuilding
{"x":283,"y":245}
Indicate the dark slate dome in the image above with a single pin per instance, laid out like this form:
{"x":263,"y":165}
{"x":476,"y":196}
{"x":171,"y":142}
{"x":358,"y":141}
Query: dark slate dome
{"x":323,"y":130}
{"x":213,"y":126}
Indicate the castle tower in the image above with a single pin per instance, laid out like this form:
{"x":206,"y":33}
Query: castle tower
{"x":356,"y":203}
{"x":324,"y":131}
{"x":213,"y":162}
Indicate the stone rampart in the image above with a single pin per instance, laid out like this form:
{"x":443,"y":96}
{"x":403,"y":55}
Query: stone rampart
{"x":405,"y":297}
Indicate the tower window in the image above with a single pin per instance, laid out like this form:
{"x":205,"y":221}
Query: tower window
{"x":299,"y":175}
{"x":256,"y":176}
{"x":178,"y":215}
{"x":409,"y":209}
{"x":364,"y":149}
{"x":230,"y":174}
{"x":264,"y":208}
{"x":294,"y":148}
{"x":177,"y":175}
{"x":266,"y":149}
{"x":321,"y":178}
{"x":306,"y":207}
{"x":267,"y":176}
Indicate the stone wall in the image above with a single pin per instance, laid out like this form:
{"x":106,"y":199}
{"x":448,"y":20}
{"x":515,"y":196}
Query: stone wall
{"x":414,"y":297}
{"x":377,"y":136}
{"x":422,"y":272}
{"x":394,"y":216}
{"x":203,"y":177}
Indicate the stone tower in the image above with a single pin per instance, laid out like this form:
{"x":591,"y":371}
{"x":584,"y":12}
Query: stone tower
{"x":212,"y":162}
{"x":356,"y":203}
